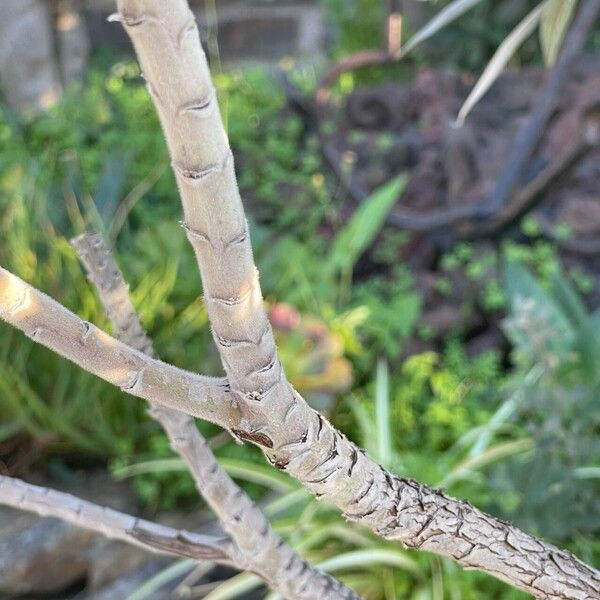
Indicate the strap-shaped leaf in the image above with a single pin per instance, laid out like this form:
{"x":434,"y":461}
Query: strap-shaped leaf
{"x":553,"y":27}
{"x":450,"y":13}
{"x":500,"y":59}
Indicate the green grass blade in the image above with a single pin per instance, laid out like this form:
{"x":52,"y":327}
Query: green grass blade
{"x":500,"y":59}
{"x":444,"y":17}
{"x":238,"y":469}
{"x":181,"y":567}
{"x":235,"y":587}
{"x":385,"y":449}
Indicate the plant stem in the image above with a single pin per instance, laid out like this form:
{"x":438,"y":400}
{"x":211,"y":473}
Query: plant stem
{"x":274,"y":416}
{"x":263,"y":552}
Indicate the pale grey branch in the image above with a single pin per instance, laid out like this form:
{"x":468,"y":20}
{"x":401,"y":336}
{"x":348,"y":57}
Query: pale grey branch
{"x":263,"y":551}
{"x":301,"y":441}
{"x":49,"y":323}
{"x":116,"y":525}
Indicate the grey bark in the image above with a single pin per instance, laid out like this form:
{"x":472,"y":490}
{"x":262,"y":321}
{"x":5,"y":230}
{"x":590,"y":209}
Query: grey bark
{"x":116,"y":525}
{"x":274,"y":416}
{"x":262,"y":550}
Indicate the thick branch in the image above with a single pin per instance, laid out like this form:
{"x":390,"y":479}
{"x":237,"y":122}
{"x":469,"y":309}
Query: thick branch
{"x":49,"y":323}
{"x":274,"y":416}
{"x":117,"y":525}
{"x":263,"y":551}
{"x":402,"y":509}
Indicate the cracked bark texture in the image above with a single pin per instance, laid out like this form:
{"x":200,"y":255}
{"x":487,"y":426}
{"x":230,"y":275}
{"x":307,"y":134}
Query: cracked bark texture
{"x":260,"y":549}
{"x":273,"y":415}
{"x":398,"y":508}
{"x":116,"y":525}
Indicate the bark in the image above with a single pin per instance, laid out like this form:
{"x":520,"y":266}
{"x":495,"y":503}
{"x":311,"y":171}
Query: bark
{"x":394,"y":507}
{"x":262,"y":550}
{"x":47,"y":322}
{"x":117,"y":525}
{"x":273,"y":415}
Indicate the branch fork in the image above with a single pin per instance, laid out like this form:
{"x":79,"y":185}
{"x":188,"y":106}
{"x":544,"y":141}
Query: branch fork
{"x":255,"y":401}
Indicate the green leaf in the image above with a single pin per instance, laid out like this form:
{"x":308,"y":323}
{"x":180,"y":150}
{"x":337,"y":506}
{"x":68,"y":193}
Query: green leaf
{"x":237,"y":586}
{"x":258,"y":473}
{"x":536,"y":313}
{"x":448,"y":14}
{"x":553,"y":27}
{"x":149,"y":588}
{"x":385,"y":448}
{"x":382,"y":555}
{"x":501,"y":451}
{"x":238,"y":469}
{"x":283,"y":503}
{"x":364,"y":225}
{"x":587,"y":473}
{"x":500,"y":59}
{"x":366,"y":426}
{"x":110,"y":188}
{"x":566,"y":297}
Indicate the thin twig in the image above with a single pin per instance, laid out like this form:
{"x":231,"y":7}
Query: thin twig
{"x":117,"y":525}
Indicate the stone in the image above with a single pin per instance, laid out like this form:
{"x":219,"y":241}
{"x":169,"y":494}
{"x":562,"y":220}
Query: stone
{"x":40,"y":556}
{"x":46,"y":556}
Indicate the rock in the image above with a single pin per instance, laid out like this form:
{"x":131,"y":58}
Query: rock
{"x":40,"y":556}
{"x":46,"y":556}
{"x":127,"y":583}
{"x":110,"y":561}
{"x":28,"y":71}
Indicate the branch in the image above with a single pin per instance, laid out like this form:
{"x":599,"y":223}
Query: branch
{"x":117,"y":525}
{"x":103,"y":272}
{"x":263,"y":551}
{"x":276,"y":418}
{"x":402,"y":509}
{"x":49,"y":323}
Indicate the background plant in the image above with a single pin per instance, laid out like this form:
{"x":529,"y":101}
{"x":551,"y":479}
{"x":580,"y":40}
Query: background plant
{"x":99,"y":154}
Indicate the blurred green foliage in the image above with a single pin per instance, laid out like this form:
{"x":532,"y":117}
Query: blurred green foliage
{"x":553,"y":491}
{"x":98,"y":159}
{"x":468,"y":43}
